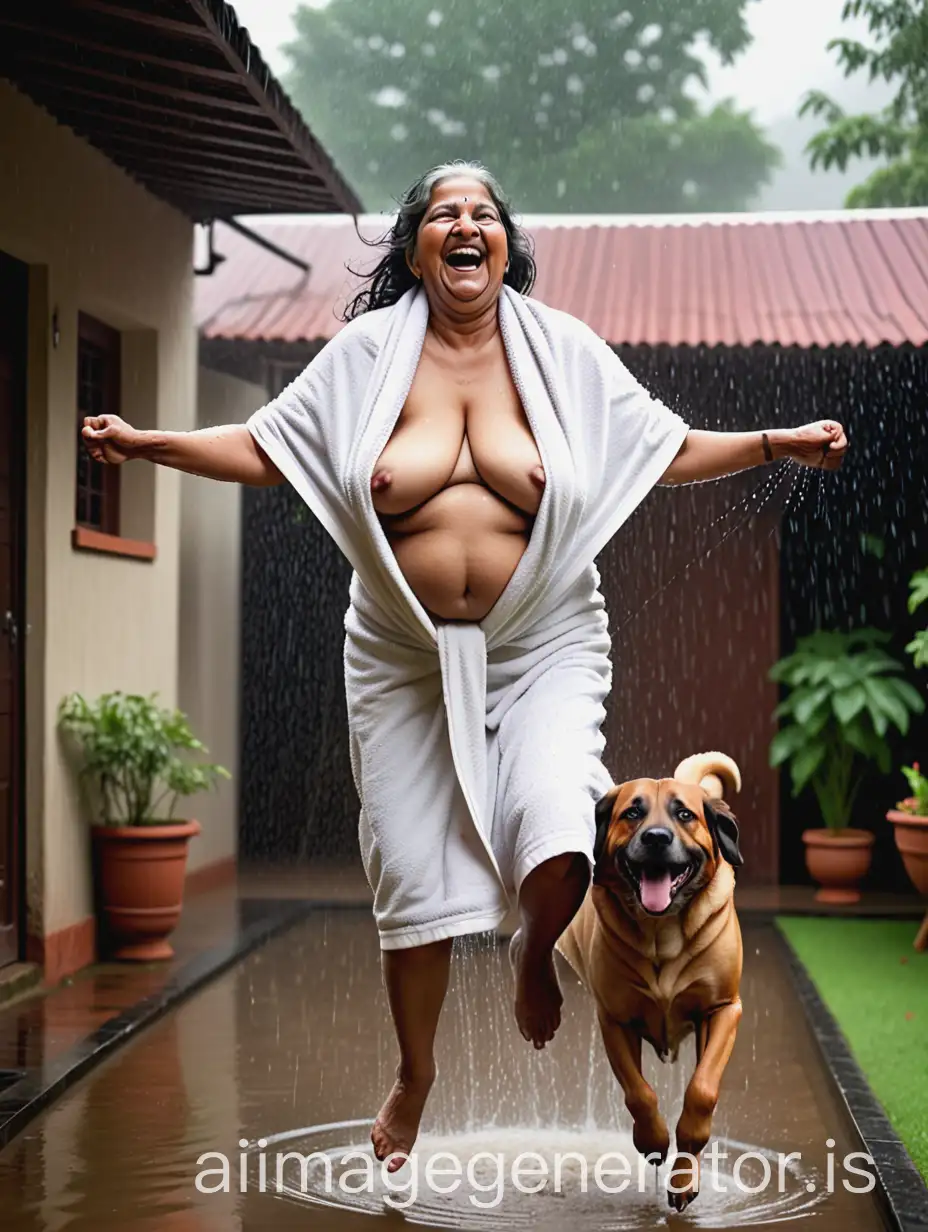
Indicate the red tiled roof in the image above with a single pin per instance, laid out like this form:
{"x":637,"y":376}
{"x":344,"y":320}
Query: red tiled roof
{"x":856,"y":278}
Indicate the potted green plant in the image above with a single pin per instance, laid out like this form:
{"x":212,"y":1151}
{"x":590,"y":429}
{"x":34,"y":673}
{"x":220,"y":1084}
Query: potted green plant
{"x":134,"y":765}
{"x":843,"y":693}
{"x":910,"y":816}
{"x":910,"y":819}
{"x":910,"y":826}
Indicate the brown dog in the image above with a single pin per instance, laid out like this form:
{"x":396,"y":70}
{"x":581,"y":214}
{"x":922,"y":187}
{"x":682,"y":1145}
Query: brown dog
{"x":657,"y":944}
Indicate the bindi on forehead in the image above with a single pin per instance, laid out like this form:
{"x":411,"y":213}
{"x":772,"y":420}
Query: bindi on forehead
{"x":464,"y":200}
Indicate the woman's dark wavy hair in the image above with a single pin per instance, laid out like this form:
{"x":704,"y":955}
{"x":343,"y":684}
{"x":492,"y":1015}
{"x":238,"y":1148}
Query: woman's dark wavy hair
{"x":392,"y":278}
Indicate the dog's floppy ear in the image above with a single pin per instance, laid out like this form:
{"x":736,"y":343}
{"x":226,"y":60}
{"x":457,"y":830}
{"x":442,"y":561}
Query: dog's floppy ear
{"x":602,"y":816}
{"x":723,"y":826}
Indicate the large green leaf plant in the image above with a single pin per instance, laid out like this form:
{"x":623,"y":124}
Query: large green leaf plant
{"x":844,"y":693}
{"x":917,"y":802}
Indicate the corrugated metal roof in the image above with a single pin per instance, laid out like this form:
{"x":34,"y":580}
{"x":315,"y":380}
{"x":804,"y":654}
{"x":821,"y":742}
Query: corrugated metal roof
{"x":858,"y":278}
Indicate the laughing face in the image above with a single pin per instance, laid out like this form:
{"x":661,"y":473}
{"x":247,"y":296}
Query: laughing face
{"x":659,"y":842}
{"x":461,"y":248}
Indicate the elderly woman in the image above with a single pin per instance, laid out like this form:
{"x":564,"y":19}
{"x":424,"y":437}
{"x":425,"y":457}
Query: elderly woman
{"x":471,"y":451}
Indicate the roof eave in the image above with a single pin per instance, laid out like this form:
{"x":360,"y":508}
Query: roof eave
{"x":235,"y":44}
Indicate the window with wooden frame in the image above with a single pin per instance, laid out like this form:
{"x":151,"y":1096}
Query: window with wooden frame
{"x":98,"y":377}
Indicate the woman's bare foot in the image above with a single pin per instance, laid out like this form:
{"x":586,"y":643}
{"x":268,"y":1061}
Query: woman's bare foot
{"x":538,"y":993}
{"x":397,"y":1125}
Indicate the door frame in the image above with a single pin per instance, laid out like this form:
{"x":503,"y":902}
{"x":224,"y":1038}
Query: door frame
{"x":14,"y":292}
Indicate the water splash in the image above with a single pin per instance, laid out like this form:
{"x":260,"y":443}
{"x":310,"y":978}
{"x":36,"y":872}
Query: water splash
{"x":510,"y":1178}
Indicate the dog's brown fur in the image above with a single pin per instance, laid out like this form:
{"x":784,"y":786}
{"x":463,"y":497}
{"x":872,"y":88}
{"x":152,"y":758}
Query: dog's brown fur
{"x":660,"y":977}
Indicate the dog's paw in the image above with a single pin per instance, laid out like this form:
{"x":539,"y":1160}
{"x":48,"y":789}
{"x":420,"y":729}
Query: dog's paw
{"x":652,"y":1139}
{"x":683,"y":1182}
{"x":680,"y":1201}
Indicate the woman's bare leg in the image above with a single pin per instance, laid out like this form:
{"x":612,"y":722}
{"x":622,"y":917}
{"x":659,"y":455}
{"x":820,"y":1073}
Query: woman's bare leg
{"x":416,"y":981}
{"x":549,"y":898}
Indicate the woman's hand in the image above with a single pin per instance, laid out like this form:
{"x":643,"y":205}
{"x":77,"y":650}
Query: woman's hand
{"x":110,"y":439}
{"x":820,"y":444}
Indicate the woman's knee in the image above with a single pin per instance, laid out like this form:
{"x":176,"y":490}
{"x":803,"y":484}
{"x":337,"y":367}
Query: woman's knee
{"x":567,"y":869}
{"x":560,"y":867}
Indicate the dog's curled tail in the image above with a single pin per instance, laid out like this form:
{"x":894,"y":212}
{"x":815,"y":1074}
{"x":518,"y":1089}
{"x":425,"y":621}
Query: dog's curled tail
{"x":716,"y":773}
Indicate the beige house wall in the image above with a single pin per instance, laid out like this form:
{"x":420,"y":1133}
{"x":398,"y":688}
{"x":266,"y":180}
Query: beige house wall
{"x":96,"y":242}
{"x":209,"y":621}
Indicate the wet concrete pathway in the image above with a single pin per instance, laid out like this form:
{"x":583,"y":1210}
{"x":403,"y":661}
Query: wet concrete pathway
{"x":293,"y":1048}
{"x":51,"y":1030}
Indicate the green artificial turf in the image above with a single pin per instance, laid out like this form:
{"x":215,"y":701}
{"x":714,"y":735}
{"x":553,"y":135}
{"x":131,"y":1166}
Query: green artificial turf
{"x":876,"y":986}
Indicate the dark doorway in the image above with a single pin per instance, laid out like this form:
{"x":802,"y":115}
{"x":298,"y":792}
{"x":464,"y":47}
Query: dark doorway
{"x":13,"y":298}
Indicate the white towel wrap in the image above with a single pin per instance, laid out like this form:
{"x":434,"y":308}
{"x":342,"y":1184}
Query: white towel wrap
{"x":476,"y":748}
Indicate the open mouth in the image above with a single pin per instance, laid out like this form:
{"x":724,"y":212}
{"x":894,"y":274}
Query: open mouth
{"x":658,"y":885}
{"x":464,"y":259}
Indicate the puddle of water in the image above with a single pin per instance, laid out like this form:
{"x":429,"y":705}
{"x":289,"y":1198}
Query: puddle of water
{"x":299,"y":1035}
{"x":516,"y":1178}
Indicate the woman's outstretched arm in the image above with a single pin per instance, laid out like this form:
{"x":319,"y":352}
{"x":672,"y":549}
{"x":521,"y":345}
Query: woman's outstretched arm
{"x":712,"y":455}
{"x":228,"y":453}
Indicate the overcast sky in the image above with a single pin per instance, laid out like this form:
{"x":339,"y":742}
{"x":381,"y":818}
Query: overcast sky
{"x":787,"y":57}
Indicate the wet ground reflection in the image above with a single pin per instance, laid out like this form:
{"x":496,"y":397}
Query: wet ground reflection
{"x":298,"y":1036}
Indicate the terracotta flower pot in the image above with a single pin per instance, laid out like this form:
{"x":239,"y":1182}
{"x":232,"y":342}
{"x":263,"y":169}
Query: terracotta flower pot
{"x":141,"y":872}
{"x":838,"y":860}
{"x":911,"y":834}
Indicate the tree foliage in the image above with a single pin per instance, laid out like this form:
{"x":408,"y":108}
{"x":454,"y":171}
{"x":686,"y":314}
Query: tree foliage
{"x":586,"y":106}
{"x":898,"y":133}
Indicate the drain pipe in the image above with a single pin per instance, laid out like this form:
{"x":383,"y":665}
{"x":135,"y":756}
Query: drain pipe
{"x":256,"y":238}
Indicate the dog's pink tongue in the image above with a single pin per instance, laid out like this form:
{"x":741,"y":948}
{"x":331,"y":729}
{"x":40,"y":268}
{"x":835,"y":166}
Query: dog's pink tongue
{"x":655,"y":891}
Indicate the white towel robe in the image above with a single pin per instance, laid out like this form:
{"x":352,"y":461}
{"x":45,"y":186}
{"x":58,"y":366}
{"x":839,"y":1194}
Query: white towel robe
{"x":475,"y":748}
